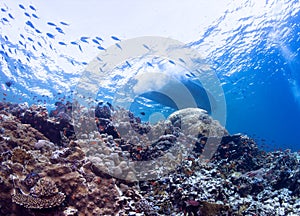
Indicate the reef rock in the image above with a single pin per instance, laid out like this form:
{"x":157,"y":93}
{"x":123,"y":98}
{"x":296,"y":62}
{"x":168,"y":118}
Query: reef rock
{"x":195,"y":121}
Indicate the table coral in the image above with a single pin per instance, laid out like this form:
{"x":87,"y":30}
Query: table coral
{"x":44,"y":194}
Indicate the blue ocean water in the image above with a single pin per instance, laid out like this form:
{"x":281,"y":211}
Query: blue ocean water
{"x":253,"y":47}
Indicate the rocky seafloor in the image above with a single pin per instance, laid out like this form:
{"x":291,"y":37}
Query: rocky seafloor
{"x":50,"y":166}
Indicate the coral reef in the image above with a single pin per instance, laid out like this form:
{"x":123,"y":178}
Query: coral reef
{"x":50,"y":172}
{"x":57,"y":129}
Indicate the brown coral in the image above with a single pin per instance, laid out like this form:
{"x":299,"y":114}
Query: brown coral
{"x":44,"y":194}
{"x":21,"y":156}
{"x":211,"y":209}
{"x":38,"y":203}
{"x":44,"y":188}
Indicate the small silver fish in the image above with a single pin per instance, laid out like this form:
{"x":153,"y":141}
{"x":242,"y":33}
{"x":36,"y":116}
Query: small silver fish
{"x":11,"y":16}
{"x":118,"y":45}
{"x":172,"y":62}
{"x":96,"y":41}
{"x":51,"y":24}
{"x":50,"y":35}
{"x":21,"y":6}
{"x":101,"y":48}
{"x":62,"y":43}
{"x":80,"y":48}
{"x":59,"y":30}
{"x":32,"y":8}
{"x":35,"y":16}
{"x":115,"y":38}
{"x":63,"y":23}
{"x":30,"y":24}
{"x":84,"y":39}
